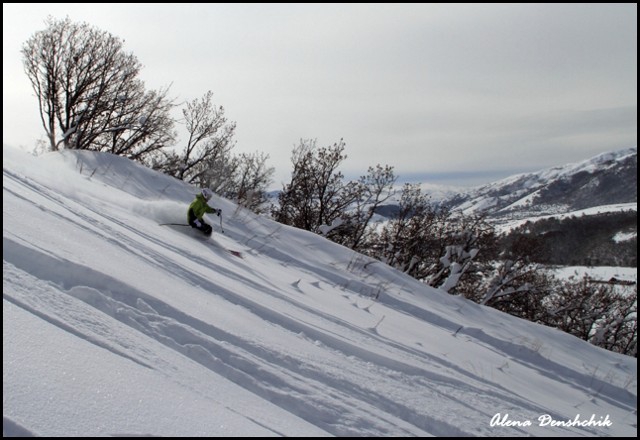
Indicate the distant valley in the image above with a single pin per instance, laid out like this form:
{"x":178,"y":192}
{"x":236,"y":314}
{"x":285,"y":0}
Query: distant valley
{"x":583,"y":213}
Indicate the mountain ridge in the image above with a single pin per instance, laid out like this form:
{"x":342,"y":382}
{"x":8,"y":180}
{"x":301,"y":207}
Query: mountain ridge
{"x":605,"y":179}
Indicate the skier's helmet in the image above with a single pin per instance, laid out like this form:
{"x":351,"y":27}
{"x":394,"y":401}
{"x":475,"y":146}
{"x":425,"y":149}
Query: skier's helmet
{"x":206,"y":193}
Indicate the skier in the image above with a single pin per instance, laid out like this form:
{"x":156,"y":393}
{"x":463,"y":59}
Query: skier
{"x":198,"y":208}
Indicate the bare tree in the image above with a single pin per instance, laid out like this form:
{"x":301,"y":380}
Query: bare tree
{"x":209,"y":143}
{"x":89,"y":94}
{"x":371,"y":191}
{"x":316,"y":194}
{"x":207,"y":158}
{"x":413,"y":240}
{"x":595,"y":312}
{"x":252,"y":179}
{"x":297,"y":199}
{"x":141,"y":125}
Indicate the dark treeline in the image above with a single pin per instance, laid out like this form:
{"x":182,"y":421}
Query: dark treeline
{"x":586,"y":240}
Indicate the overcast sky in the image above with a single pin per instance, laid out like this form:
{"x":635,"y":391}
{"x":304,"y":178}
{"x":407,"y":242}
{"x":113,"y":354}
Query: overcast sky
{"x":445,"y":93}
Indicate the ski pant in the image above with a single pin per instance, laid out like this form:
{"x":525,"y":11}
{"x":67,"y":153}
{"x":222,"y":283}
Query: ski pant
{"x":201,"y":225}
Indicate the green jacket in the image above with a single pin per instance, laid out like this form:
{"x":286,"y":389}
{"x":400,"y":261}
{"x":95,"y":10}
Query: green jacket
{"x":200,"y":207}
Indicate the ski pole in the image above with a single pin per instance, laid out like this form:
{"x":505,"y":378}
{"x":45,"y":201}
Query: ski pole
{"x":221,"y":229}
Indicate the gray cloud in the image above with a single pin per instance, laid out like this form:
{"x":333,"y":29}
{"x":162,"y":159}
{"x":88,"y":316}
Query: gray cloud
{"x":427,"y":88}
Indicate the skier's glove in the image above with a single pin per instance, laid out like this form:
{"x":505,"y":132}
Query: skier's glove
{"x":219,"y":211}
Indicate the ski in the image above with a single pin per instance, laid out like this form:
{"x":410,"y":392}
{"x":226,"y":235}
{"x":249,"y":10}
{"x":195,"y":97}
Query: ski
{"x":231,"y":251}
{"x":236,"y":253}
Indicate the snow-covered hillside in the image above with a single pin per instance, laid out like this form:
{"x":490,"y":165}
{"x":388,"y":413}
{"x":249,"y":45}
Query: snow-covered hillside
{"x":116,"y":325}
{"x":608,"y":179}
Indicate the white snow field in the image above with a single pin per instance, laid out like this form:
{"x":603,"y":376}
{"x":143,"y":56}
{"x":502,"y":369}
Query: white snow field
{"x":115,"y":325}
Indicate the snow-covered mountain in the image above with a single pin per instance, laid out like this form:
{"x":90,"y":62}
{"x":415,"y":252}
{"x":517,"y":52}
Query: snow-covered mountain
{"x":116,"y":325}
{"x":608,"y":179}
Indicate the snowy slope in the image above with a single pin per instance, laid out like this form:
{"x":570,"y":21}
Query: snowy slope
{"x":115,"y":325}
{"x":601,"y":181}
